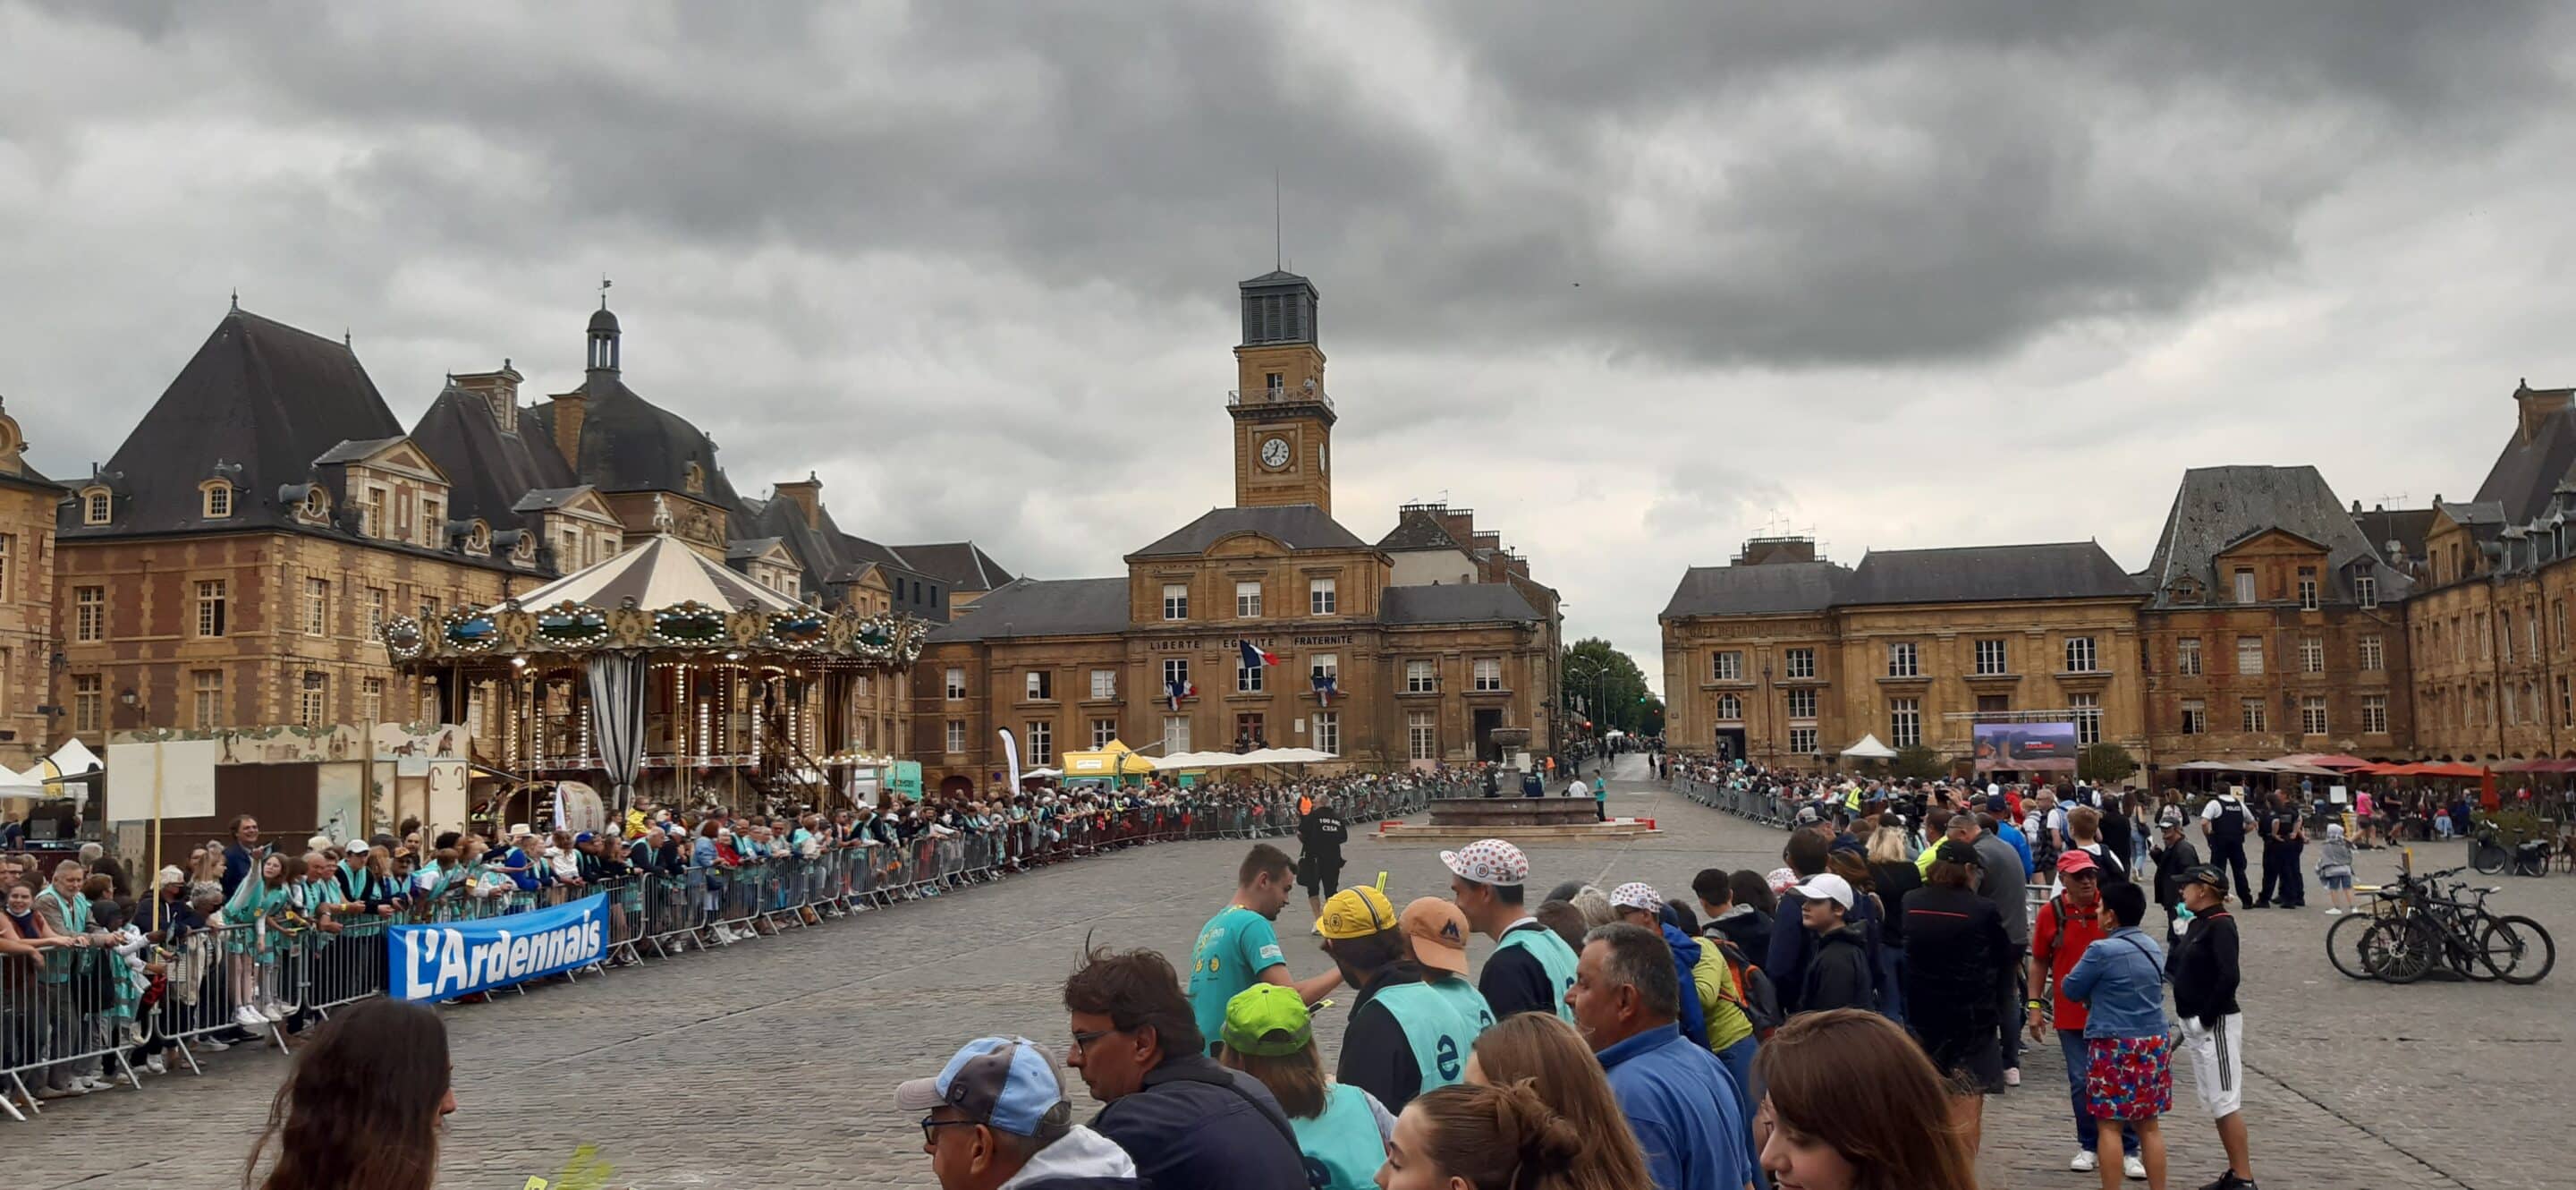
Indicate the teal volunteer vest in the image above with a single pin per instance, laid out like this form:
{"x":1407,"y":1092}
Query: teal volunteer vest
{"x":1554,"y":957}
{"x":1469,"y":1003}
{"x":1342,"y":1147}
{"x":1439,"y":1034}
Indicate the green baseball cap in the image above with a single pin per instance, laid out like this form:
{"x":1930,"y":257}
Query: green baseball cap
{"x":1268,"y":1020}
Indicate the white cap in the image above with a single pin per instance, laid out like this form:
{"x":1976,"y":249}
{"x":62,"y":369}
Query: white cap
{"x":1488,"y":861}
{"x":1828,"y":886}
{"x":1637,"y":895}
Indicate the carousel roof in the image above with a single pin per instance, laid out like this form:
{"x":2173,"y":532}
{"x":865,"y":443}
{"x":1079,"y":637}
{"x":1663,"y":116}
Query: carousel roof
{"x":663,"y":572}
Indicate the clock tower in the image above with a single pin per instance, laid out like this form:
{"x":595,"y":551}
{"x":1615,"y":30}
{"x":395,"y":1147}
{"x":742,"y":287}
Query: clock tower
{"x":1283,"y":422}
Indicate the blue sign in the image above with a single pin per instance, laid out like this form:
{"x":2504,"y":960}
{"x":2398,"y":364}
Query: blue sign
{"x":439,"y":961}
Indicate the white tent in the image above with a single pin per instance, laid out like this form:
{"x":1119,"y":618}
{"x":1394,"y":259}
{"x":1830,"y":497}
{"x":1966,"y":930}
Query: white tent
{"x":72,"y":758}
{"x":1868,"y":748}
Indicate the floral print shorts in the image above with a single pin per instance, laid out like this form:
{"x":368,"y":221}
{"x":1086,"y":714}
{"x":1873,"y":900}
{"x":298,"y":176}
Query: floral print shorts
{"x":2128,"y":1078}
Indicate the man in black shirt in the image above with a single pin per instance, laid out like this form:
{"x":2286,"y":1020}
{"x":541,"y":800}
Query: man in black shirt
{"x":1531,"y":966}
{"x":2211,"y":1034}
{"x":1366,"y":941}
{"x":1319,"y":839}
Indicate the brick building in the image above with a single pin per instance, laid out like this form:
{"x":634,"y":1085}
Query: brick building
{"x":27,"y":509}
{"x":1373,"y":668}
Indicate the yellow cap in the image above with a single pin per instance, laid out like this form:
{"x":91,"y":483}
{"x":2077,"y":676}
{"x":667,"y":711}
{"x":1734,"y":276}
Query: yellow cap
{"x":1356,"y":913}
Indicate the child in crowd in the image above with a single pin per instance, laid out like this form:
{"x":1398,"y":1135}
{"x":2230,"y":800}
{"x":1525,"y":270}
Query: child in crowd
{"x":2334,"y":870}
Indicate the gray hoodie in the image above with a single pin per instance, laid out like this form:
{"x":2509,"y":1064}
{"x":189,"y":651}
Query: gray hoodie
{"x":1079,"y":1160}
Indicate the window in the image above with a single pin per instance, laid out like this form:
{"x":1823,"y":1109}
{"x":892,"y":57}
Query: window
{"x":2512,"y":706}
{"x":2252,"y":714}
{"x":95,"y":505}
{"x":2088,"y":717}
{"x":89,"y":613}
{"x":1176,"y":678}
{"x":2195,"y":717}
{"x":956,"y":683}
{"x":1104,"y":684}
{"x":1802,"y":704}
{"x":1489,"y":673}
{"x":2308,"y":588}
{"x":862,"y":685}
{"x":1902,"y":661}
{"x":2187,"y":656}
{"x":1994,"y":704}
{"x":2312,"y":655}
{"x":317,"y":607}
{"x":371,"y":514}
{"x":1041,"y":742}
{"x":1247,"y":678}
{"x":956,"y":742}
{"x":1420,"y":678}
{"x":431,"y":606}
{"x":2373,"y":657}
{"x":1990,"y":657}
{"x":371,"y":700}
{"x":1176,"y":734}
{"x":2504,"y":633}
{"x":1801,"y":663}
{"x":2486,"y":642}
{"x":2244,"y":585}
{"x":206,"y":686}
{"x":2079,"y":654}
{"x":1247,"y":601}
{"x":316,"y":698}
{"x":1321,"y":597}
{"x":2249,"y":655}
{"x":2558,"y":623}
{"x":1422,"y":737}
{"x":1041,"y":685}
{"x":210,"y":607}
{"x":2531,"y":630}
{"x":1325,"y":666}
{"x":1103,"y":731}
{"x":2365,"y":590}
{"x":1328,"y":732}
{"x":89,"y":703}
{"x":2374,"y":710}
{"x":1176,"y":601}
{"x":1726,"y":667}
{"x":1250,"y":731}
{"x":376,"y":599}
{"x":2312,"y":715}
{"x":1905,"y":722}
{"x":1730,"y":708}
{"x":433,"y":524}
{"x":1802,"y":740}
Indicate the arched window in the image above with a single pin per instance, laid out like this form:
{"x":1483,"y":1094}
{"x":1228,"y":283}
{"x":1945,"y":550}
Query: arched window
{"x":96,"y":505}
{"x":218,"y":499}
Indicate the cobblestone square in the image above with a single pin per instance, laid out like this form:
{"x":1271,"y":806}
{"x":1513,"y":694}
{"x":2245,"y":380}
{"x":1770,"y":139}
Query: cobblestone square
{"x":772,"y":1063}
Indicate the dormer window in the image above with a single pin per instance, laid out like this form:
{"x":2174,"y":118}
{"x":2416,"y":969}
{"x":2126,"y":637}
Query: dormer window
{"x":2186,"y":591}
{"x":478,"y":540}
{"x":96,"y":504}
{"x":317,"y":505}
{"x":218,"y":500}
{"x":694,"y":479}
{"x":524,"y":549}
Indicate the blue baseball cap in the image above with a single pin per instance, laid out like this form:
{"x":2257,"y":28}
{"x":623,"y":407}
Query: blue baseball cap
{"x":1008,"y":1083}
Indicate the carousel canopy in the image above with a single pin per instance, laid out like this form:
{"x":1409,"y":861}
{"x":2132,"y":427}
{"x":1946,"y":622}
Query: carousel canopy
{"x":663,"y":572}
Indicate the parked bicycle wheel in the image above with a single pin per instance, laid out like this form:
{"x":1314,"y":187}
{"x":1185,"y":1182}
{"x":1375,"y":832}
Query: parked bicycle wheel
{"x":2487,"y":855}
{"x":2344,"y":946}
{"x":2399,"y":950}
{"x":2531,"y":861}
{"x":2518,"y":949}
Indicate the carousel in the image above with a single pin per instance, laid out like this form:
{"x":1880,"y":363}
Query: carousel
{"x":662,"y":676}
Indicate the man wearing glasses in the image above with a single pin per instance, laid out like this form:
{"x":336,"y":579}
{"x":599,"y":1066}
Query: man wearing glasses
{"x":998,"y":1116}
{"x":1186,"y":1120}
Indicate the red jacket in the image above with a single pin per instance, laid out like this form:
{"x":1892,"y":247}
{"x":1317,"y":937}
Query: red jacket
{"x":2057,"y":938}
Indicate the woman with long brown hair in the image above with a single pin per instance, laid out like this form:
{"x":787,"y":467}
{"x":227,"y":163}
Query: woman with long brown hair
{"x":363,"y":1106}
{"x":1545,"y":1052}
{"x":1852,"y":1104}
{"x":1341,"y":1129}
{"x":1493,"y":1138}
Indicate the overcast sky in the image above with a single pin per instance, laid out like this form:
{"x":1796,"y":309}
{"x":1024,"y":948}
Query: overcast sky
{"x":1630,"y":280}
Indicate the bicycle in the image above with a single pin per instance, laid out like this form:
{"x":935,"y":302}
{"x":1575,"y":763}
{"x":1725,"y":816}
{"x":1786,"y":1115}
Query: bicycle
{"x":2415,"y":926}
{"x":2526,"y":856}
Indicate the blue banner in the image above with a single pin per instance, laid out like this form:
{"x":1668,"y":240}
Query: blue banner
{"x":452,"y":959}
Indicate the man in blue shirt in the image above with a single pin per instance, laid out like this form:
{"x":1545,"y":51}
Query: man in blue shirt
{"x":1238,"y":947}
{"x":1678,"y":1097}
{"x":2007,"y":831}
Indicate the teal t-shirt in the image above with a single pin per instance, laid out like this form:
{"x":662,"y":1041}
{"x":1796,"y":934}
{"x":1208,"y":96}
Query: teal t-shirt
{"x":1233,"y":949}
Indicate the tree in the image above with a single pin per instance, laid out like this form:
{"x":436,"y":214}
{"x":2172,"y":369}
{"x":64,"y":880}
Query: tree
{"x":2104,"y":763}
{"x":1921,"y":762}
{"x":1600,"y":683}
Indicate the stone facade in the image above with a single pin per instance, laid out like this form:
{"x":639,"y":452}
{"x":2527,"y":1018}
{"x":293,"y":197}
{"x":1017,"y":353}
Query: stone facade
{"x":27,"y":590}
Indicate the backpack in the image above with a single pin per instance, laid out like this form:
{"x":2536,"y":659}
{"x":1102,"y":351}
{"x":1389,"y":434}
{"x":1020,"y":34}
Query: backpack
{"x":1754,"y":991}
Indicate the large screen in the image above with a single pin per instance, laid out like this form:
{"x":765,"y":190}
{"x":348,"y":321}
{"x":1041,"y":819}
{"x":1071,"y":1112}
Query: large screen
{"x":2025,"y":747}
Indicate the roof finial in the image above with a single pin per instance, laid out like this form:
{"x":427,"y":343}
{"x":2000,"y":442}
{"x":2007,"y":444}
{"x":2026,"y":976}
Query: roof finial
{"x":603,"y":291}
{"x":236,"y":299}
{"x":344,"y":338}
{"x":1278,"y":225}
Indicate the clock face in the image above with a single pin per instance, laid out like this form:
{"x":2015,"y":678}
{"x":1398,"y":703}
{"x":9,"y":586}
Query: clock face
{"x":1274,"y":453}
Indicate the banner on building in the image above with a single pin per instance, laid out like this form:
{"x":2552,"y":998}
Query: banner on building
{"x":2025,"y":747}
{"x":437,"y":962}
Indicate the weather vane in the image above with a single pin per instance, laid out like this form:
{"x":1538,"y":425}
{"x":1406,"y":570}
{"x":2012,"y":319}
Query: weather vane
{"x":603,"y":291}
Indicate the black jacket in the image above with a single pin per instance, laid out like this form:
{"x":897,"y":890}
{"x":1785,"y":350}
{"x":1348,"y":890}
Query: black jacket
{"x":1196,"y":1123}
{"x":1793,"y":946}
{"x":1955,"y":952}
{"x":2203,"y":968}
{"x":2171,"y":863}
{"x":1513,"y":981}
{"x":1894,"y":881}
{"x":1838,"y":974}
{"x":1750,"y":931}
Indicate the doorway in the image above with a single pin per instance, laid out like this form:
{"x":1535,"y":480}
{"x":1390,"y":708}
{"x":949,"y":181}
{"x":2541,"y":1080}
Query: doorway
{"x":1487,"y":719}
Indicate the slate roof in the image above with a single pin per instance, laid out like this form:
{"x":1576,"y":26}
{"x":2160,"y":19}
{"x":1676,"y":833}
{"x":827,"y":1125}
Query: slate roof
{"x":1418,"y":530}
{"x":1454,"y":603}
{"x":543,"y":499}
{"x":962,"y":565}
{"x":2525,"y":471}
{"x":1297,"y":526}
{"x":629,"y":444}
{"x":830,"y":557}
{"x":258,"y":394}
{"x":1043,"y":607}
{"x":2217,"y":508}
{"x":1775,"y":588}
{"x":742,"y":549}
{"x":491,"y":474}
{"x":354,"y":451}
{"x":1985,"y":574}
{"x":2405,"y":526}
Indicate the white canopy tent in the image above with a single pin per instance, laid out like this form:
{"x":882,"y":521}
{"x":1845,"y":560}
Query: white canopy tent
{"x":1868,"y":748}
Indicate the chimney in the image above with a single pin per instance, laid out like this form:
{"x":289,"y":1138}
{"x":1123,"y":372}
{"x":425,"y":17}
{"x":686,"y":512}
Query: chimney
{"x":808,"y":495}
{"x":499,"y":390}
{"x":569,"y":409}
{"x":2537,"y":405}
{"x":1460,"y":524}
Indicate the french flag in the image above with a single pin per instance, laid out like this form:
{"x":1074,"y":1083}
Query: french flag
{"x":1174,"y":692}
{"x":1326,"y":686}
{"x":1256,"y":658}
